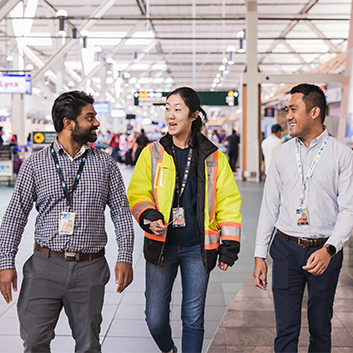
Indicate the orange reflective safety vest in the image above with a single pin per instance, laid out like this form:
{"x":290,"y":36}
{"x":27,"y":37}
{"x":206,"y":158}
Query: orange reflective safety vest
{"x":218,"y":200}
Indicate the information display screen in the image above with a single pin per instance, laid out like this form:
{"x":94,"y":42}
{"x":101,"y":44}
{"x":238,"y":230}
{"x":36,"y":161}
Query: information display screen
{"x":13,"y":83}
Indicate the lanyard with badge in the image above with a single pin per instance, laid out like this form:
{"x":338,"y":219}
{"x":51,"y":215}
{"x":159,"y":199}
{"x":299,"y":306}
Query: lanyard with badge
{"x":301,"y":210}
{"x":179,"y":212}
{"x":67,"y":219}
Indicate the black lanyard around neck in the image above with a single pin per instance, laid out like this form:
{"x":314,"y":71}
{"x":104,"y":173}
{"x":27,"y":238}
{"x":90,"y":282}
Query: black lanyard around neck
{"x":67,"y":193}
{"x":180,"y":190}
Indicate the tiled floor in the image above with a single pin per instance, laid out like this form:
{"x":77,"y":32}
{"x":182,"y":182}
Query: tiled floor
{"x":124,"y":329}
{"x":247,"y":326}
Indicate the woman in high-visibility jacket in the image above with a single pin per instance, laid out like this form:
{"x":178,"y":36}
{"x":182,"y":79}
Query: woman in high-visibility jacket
{"x":184,"y":196}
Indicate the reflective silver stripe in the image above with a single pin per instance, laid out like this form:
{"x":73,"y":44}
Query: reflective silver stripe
{"x":210,"y":163}
{"x":155,"y":155}
{"x":211,"y":239}
{"x":140,"y":207}
{"x":231,"y":231}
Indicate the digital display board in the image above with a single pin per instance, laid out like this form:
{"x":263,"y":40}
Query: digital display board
{"x":101,"y":107}
{"x":118,"y":113}
{"x":13,"y":83}
{"x":229,"y":98}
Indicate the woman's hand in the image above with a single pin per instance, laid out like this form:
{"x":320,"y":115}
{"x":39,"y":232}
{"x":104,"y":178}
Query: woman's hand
{"x":157,"y":227}
{"x":223,"y":266}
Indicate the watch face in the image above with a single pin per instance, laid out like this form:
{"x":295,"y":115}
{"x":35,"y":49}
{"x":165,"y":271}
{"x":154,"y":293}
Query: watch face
{"x":331,"y":250}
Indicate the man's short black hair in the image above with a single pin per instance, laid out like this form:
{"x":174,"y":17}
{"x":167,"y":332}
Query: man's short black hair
{"x":275,"y":128}
{"x":69,"y":105}
{"x":313,"y":97}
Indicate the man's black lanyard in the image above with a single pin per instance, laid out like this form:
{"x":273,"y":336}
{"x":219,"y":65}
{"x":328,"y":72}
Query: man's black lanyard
{"x":67,"y":193}
{"x":186,"y":173}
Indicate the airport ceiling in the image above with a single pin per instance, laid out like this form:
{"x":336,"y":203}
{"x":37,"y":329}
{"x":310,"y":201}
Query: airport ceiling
{"x":116,"y":47}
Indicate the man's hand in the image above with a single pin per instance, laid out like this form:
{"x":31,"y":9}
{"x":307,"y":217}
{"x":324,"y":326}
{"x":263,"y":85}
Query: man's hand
{"x":317,"y":262}
{"x":223,"y":266}
{"x":260,"y":273}
{"x":8,"y":277}
{"x":123,"y":275}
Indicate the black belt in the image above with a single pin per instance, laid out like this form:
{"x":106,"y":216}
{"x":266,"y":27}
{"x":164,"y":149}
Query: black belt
{"x":68,"y":256}
{"x":304,"y":241}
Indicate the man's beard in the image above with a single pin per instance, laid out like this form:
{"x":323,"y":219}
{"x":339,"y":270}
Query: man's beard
{"x":83,"y":136}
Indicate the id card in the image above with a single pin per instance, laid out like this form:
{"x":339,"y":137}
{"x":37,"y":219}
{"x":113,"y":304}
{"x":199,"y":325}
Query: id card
{"x":178,"y":217}
{"x":66,"y":223}
{"x":302,"y":215}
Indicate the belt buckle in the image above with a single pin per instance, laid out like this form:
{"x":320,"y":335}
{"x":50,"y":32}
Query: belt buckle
{"x":300,"y":240}
{"x":71,"y":256}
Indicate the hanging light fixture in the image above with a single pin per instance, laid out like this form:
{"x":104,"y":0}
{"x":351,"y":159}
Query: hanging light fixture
{"x":241,"y":37}
{"x":61,"y":14}
{"x":84,"y":35}
{"x":9,"y":62}
{"x":231,"y":51}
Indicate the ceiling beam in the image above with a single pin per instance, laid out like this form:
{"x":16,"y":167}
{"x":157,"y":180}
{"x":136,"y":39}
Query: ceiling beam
{"x":323,"y":37}
{"x":297,"y":78}
{"x":305,"y":9}
{"x":105,"y":6}
{"x":6,"y":6}
{"x":115,"y":49}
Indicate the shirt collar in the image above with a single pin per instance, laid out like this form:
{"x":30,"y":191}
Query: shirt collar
{"x":58,"y":147}
{"x":316,"y":141}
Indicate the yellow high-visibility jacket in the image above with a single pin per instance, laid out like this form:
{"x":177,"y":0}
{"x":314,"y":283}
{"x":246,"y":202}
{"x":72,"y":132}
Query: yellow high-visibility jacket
{"x":151,"y":189}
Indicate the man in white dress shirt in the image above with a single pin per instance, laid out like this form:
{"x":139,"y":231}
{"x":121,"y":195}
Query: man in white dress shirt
{"x":270,"y":143}
{"x":308,"y":198}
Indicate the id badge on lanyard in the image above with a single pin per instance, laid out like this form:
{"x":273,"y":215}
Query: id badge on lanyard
{"x":301,"y":211}
{"x":66,"y":223}
{"x":178,"y":213}
{"x":66,"y":218}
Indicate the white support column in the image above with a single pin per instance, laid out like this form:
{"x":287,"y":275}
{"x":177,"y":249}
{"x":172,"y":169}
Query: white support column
{"x":346,"y":118}
{"x":251,"y":98}
{"x":18,"y":117}
{"x":18,"y":111}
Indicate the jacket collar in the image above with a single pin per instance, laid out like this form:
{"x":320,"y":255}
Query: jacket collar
{"x":206,"y":147}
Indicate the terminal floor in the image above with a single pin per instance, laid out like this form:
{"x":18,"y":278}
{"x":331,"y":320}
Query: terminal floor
{"x":239,"y":317}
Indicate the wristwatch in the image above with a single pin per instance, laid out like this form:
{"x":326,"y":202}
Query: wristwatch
{"x":330,"y":249}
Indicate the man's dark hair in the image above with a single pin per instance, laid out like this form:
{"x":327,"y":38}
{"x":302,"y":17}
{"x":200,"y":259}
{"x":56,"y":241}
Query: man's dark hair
{"x":313,"y":97}
{"x":69,"y":105}
{"x":275,"y":128}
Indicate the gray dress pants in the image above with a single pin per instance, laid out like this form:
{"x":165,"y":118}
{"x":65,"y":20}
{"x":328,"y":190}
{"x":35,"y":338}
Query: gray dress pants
{"x":49,"y":284}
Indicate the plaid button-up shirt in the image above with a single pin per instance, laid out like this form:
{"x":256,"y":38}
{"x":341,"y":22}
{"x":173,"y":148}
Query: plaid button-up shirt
{"x":38,"y":182}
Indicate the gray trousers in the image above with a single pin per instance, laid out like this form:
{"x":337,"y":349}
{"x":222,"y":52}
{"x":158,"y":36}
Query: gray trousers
{"x":49,"y":284}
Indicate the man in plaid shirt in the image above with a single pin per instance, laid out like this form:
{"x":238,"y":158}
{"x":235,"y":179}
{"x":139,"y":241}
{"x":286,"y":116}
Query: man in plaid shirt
{"x":70,"y":183}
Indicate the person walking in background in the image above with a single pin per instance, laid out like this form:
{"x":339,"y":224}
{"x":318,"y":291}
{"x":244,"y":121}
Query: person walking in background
{"x":308,"y":198}
{"x":140,"y":144}
{"x":115,"y":145}
{"x":233,"y":149}
{"x":215,"y":137}
{"x":71,"y":184}
{"x":1,"y":134}
{"x":270,"y":144}
{"x":183,"y":194}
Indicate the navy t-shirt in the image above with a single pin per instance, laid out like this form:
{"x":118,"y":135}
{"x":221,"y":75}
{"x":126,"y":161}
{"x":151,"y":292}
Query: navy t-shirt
{"x":189,"y":235}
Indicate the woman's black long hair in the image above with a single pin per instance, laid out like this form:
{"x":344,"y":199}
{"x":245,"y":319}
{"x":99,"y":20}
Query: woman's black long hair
{"x":192,"y":101}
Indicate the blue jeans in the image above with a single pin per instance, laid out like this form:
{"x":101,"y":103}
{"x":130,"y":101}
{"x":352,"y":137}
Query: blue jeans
{"x":159,"y":285}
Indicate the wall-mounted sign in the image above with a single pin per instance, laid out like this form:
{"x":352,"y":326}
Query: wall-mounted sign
{"x":150,"y":98}
{"x":101,"y":107}
{"x":43,"y":137}
{"x":11,"y":83}
{"x":229,"y":98}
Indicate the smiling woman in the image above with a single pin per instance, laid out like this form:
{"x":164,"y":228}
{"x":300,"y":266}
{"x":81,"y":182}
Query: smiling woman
{"x":188,"y":204}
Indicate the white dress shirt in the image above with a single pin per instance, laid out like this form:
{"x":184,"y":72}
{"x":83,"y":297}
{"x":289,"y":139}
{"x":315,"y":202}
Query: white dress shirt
{"x":268,"y":146}
{"x":328,"y":195}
